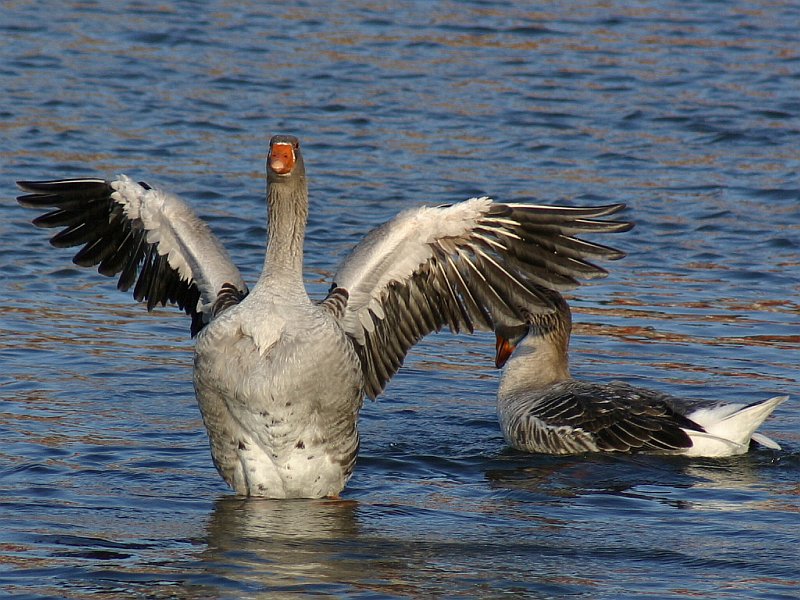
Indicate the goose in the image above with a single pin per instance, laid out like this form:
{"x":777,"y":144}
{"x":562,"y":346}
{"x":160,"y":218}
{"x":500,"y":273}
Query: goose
{"x":280,"y":378}
{"x":542,"y":409}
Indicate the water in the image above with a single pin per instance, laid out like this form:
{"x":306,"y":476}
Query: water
{"x":688,"y":112}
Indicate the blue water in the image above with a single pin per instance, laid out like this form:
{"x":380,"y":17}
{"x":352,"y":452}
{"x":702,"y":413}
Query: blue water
{"x":689,"y":112}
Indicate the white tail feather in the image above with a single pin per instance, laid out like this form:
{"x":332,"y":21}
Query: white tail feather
{"x":729,"y":433}
{"x":765,"y":441}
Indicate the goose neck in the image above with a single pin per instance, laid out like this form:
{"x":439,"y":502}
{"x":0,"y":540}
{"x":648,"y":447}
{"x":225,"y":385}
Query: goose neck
{"x":287,"y":214}
{"x":541,"y":359}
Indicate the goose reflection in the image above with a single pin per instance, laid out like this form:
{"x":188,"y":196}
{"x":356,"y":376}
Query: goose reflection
{"x":551,"y":478}
{"x":738,"y":484}
{"x":282,"y":545}
{"x":671,"y":481}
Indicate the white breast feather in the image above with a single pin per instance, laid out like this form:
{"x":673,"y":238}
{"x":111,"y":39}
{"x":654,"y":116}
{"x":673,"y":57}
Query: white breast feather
{"x":264,"y":335}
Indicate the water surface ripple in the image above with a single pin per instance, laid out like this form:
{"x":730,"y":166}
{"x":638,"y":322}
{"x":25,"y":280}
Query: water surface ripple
{"x":689,"y":112}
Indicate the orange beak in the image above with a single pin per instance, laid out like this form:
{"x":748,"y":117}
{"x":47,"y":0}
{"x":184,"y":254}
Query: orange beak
{"x":504,"y":351}
{"x":281,"y":158}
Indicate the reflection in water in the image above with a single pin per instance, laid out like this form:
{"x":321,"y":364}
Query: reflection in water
{"x":283,"y":545}
{"x":672,"y":481}
{"x":661,"y":510}
{"x":687,"y":113}
{"x":569,"y":477}
{"x":740,"y":485}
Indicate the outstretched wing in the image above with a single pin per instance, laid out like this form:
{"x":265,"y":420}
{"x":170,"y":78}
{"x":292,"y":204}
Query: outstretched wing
{"x":149,"y":237}
{"x":466,"y":266}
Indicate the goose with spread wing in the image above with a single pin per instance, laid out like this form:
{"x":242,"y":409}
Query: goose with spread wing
{"x":542,"y":409}
{"x":279,"y":378}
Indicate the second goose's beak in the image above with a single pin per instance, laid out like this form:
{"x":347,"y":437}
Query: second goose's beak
{"x":504,"y":351}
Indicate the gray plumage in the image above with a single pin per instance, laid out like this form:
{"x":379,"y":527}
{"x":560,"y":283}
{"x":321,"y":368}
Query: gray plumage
{"x":280,"y":379}
{"x":543,"y":409}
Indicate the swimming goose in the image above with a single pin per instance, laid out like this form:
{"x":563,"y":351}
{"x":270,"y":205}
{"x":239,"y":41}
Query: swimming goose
{"x":279,"y":378}
{"x":542,"y":409}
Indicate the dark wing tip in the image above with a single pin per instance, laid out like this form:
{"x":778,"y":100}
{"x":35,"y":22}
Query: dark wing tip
{"x":60,"y":185}
{"x":94,"y":219}
{"x":58,"y":192}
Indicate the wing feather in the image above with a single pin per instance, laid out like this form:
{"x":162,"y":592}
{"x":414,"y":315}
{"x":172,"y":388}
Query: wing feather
{"x":465,"y":266}
{"x":151,"y":239}
{"x":576,"y":417}
{"x":618,"y":420}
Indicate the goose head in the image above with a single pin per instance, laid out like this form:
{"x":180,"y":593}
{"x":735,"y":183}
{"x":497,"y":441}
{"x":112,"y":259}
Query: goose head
{"x":541,"y":343}
{"x":285,"y":161}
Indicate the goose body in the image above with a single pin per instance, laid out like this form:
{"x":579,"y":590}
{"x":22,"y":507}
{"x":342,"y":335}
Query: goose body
{"x":282,"y":415}
{"x":280,"y":378}
{"x":541,"y":408}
